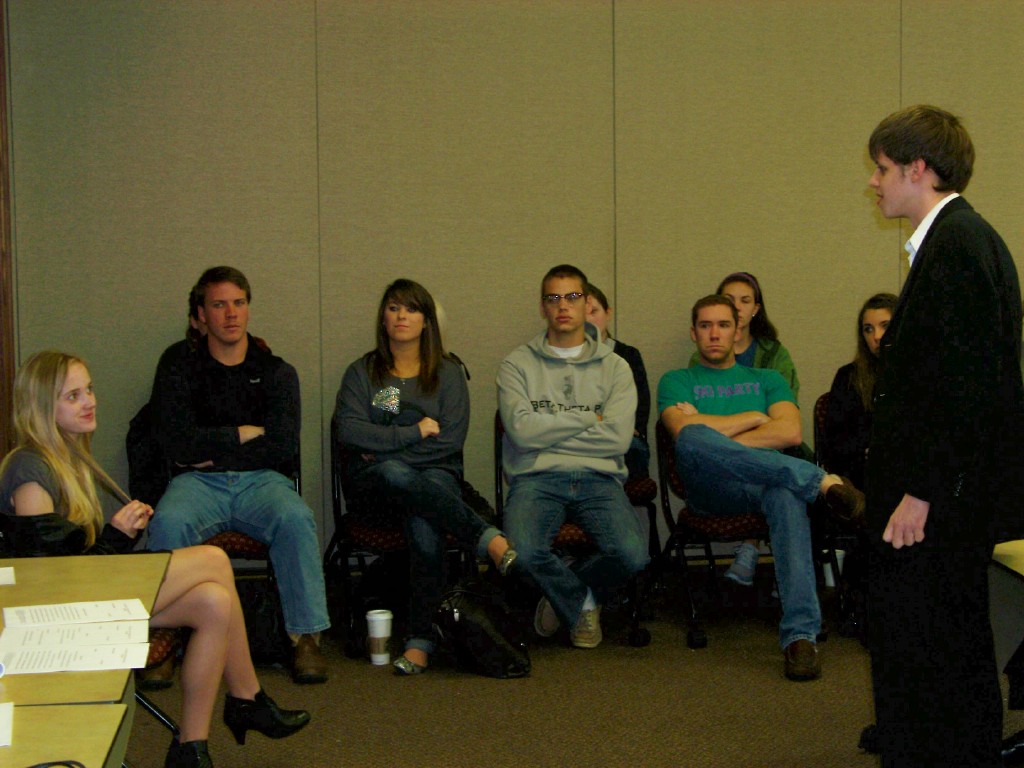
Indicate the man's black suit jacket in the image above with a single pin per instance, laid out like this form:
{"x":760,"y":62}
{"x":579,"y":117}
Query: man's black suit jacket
{"x":949,"y":397}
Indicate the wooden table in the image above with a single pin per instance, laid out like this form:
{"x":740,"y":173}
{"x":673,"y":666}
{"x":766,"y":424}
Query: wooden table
{"x":65,"y":731}
{"x":43,"y":580}
{"x":85,"y":716}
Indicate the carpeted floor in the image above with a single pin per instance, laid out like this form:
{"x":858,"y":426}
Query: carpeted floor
{"x":724,"y":706}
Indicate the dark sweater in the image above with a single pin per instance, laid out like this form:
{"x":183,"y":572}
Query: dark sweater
{"x":847,"y":429}
{"x":199,"y":404}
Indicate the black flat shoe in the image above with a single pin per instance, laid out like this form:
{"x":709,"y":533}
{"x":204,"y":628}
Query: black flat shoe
{"x":1013,"y":749}
{"x":191,"y":754}
{"x":262,"y":714}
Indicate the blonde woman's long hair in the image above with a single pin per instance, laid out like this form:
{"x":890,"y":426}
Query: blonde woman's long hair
{"x":37,"y":386}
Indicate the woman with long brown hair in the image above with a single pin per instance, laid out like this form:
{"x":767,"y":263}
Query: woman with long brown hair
{"x":402,"y":414}
{"x":848,"y":421}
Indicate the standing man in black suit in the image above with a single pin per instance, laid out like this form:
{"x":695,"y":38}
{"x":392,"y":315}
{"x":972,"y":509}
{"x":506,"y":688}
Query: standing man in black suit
{"x":950,"y":378}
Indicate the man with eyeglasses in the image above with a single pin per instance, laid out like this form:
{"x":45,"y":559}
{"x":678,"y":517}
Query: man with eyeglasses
{"x":567,"y":405}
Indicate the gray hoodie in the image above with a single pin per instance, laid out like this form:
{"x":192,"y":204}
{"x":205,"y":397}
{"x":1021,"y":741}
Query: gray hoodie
{"x":549,"y":408}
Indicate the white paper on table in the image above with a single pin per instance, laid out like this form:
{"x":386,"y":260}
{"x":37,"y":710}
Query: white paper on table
{"x":6,"y":723}
{"x":75,"y":613}
{"x":6,"y":575}
{"x":77,"y":635}
{"x":28,"y":661}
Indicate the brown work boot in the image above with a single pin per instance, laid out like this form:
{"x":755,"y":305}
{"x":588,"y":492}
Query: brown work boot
{"x":846,"y":502}
{"x":802,"y":661}
{"x":309,"y":665}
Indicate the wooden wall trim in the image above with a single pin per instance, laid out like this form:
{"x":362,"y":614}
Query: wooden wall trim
{"x":6,"y":265}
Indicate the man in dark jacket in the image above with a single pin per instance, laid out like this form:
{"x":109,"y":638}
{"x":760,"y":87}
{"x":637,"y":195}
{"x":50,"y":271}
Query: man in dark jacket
{"x":950,"y":378}
{"x":227,"y":417}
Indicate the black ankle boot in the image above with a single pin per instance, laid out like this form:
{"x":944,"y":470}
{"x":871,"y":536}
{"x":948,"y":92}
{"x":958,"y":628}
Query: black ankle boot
{"x":191,"y":754}
{"x":263,"y":715}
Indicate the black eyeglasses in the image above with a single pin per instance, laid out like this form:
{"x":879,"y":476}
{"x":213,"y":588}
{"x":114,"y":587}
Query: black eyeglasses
{"x":554,"y":298}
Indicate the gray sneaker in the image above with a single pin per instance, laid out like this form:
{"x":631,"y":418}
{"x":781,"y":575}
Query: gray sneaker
{"x":545,"y":621}
{"x":744,"y":565}
{"x":587,"y":633}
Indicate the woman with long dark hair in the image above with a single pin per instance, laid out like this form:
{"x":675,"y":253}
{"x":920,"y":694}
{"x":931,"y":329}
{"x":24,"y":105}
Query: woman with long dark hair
{"x":848,"y":420}
{"x":48,"y":490}
{"x":402,"y":414}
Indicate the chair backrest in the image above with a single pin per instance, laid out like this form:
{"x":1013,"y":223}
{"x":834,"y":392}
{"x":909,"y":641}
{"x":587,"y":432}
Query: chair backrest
{"x":820,"y":438}
{"x":669,"y":481}
{"x":499,"y":472}
{"x":148,"y":473}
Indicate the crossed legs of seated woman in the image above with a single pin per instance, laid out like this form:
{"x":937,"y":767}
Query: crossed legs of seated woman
{"x":199,"y":592}
{"x":431,"y":502}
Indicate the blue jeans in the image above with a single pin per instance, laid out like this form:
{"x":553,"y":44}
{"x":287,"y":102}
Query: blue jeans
{"x":537,"y":506}
{"x":723,"y":477}
{"x":430,"y":503}
{"x":262,"y":504}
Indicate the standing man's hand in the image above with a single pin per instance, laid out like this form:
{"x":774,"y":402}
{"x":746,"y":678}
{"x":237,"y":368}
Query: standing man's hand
{"x":906,"y":525}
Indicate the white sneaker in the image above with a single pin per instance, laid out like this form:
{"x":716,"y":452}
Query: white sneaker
{"x":545,"y":620}
{"x":744,"y":565}
{"x":587,"y":633}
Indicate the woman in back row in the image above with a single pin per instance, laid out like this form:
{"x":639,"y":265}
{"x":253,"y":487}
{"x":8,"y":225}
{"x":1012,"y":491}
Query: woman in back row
{"x":848,"y":420}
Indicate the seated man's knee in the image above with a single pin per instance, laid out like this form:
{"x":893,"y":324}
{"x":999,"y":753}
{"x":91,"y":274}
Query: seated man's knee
{"x":172,"y":528}
{"x":631,"y":553}
{"x":636,"y":557}
{"x":532,"y":547}
{"x":688,"y":445}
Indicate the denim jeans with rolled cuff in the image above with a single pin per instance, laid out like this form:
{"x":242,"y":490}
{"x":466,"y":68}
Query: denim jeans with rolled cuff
{"x":262,"y":504}
{"x":537,"y":506}
{"x":723,"y":477}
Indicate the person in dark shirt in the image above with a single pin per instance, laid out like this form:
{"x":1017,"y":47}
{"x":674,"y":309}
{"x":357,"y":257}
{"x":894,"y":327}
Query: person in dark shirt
{"x":599,"y":312}
{"x":848,"y":419}
{"x":227,"y":416}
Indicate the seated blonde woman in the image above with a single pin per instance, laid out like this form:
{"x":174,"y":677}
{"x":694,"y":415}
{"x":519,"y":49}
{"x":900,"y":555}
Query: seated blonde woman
{"x":48,"y":493}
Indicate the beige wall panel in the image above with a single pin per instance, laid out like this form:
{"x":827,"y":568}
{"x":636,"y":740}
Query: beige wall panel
{"x":741,"y":132}
{"x":150,"y":141}
{"x":967,"y":59}
{"x":467,"y":146}
{"x":328,"y":148}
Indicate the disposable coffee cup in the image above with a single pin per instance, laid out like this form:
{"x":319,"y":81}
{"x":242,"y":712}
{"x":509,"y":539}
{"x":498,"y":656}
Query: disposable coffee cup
{"x":378,"y":625}
{"x":830,"y":580}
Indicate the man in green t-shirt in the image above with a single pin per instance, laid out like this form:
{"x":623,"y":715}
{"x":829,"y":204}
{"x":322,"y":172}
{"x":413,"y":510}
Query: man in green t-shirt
{"x":730,"y":423}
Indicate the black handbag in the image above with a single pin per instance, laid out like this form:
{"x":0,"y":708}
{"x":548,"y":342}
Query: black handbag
{"x":264,"y":622}
{"x":479,"y":627}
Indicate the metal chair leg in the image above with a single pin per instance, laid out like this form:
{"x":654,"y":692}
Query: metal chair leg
{"x":147,"y":704}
